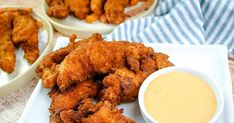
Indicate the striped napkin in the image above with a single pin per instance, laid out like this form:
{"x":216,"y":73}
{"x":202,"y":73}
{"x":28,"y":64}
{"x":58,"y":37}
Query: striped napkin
{"x":183,"y":22}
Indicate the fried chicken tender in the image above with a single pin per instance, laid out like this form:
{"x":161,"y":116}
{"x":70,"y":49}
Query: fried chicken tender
{"x":96,"y":6}
{"x":25,"y":32}
{"x":114,"y":11}
{"x":57,"y":9}
{"x":7,"y":51}
{"x":162,"y":60}
{"x":102,"y":112}
{"x":46,"y":70}
{"x":69,"y":99}
{"x":123,"y":85}
{"x":107,"y":113}
{"x":85,"y":107}
{"x":99,"y":58}
{"x":79,"y":8}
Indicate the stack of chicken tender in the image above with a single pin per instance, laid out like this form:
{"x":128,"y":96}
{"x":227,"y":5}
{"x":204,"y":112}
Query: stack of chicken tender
{"x":89,"y":78}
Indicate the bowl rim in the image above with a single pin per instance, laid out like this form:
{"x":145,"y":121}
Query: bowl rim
{"x":82,"y":29}
{"x":9,"y":86}
{"x":216,"y":90}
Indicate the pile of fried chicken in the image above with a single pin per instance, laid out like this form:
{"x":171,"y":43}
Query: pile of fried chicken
{"x":89,"y":78}
{"x":17,"y":28}
{"x":107,"y":11}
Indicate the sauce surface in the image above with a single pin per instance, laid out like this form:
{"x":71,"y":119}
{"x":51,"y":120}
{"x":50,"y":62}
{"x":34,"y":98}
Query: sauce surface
{"x":179,"y":97}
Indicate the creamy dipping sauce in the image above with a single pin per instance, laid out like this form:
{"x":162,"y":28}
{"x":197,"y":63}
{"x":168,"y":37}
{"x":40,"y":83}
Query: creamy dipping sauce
{"x":179,"y":97}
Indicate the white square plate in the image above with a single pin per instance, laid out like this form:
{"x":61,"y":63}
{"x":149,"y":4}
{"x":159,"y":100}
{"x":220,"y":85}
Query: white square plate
{"x":210,"y":60}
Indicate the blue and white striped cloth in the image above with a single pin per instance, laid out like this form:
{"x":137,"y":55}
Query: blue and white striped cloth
{"x":183,"y":22}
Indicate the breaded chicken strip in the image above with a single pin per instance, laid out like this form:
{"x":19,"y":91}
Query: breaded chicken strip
{"x":7,"y":51}
{"x":85,"y":107}
{"x":102,"y":112}
{"x":107,"y":113}
{"x":70,"y":98}
{"x":162,"y":60}
{"x":46,"y":70}
{"x":114,"y":11}
{"x":79,"y":8}
{"x":123,"y":85}
{"x":100,"y":58}
{"x":25,"y":33}
{"x":57,"y":9}
{"x":96,"y":6}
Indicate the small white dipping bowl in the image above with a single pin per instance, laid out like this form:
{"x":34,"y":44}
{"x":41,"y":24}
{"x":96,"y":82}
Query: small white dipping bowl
{"x":217,"y":91}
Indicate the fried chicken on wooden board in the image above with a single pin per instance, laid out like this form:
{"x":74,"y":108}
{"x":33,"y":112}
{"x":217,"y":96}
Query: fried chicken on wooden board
{"x":114,"y":11}
{"x":96,"y":7}
{"x":100,"y":58}
{"x":7,"y":51}
{"x":57,"y":9}
{"x":78,"y":8}
{"x":102,"y":112}
{"x":46,"y":70}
